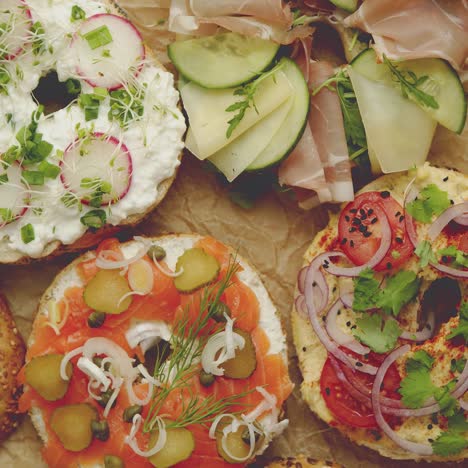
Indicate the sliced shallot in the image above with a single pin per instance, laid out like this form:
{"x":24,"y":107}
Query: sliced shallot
{"x":450,"y":214}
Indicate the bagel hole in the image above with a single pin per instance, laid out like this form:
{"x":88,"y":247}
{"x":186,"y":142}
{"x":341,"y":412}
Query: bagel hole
{"x":52,"y":93}
{"x":442,"y":297}
{"x":157,"y":354}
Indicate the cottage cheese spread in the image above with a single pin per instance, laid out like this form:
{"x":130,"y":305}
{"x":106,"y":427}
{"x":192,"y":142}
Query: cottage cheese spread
{"x":154,"y":139}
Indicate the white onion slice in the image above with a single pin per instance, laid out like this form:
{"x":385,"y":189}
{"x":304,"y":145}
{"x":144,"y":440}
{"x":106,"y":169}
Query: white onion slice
{"x":267,"y":404}
{"x":134,"y":399}
{"x":339,"y":336}
{"x":154,"y":330}
{"x":144,"y":372}
{"x":105,"y":264}
{"x":93,"y":371}
{"x":132,"y":442}
{"x":420,"y":449}
{"x":448,"y":215}
{"x":323,"y":336}
{"x":140,"y":277}
{"x":130,"y":293}
{"x":66,"y":359}
{"x":216,"y":421}
{"x":233,"y":428}
{"x":164,"y":271}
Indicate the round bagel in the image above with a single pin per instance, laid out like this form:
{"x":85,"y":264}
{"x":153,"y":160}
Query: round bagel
{"x":313,"y":355}
{"x":268,"y":326}
{"x":108,"y":158}
{"x":12,"y":351}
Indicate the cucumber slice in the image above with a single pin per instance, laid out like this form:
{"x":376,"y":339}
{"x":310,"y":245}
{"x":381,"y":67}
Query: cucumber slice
{"x":291,"y":131}
{"x":222,"y":61}
{"x":443,"y":84}
{"x":348,"y":5}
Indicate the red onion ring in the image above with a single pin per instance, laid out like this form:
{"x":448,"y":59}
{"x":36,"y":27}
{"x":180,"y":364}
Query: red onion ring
{"x":423,"y":334}
{"x":331,"y":347}
{"x":463,"y":405}
{"x":450,"y":271}
{"x":463,"y":220}
{"x":459,"y":210}
{"x":385,"y":243}
{"x":301,"y":279}
{"x":300,"y":305}
{"x":420,"y":449}
{"x":462,"y":383}
{"x":410,"y":196}
{"x":337,"y":335}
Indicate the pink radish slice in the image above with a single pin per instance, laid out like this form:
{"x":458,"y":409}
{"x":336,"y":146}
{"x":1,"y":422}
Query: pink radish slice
{"x":16,"y":17}
{"x":120,"y":56}
{"x":14,"y":195}
{"x":94,"y":162}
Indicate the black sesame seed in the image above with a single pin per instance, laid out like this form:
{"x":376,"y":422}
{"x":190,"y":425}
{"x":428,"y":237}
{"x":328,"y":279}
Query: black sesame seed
{"x":385,"y":194}
{"x":353,"y":327}
{"x":356,"y":221}
{"x":362,"y":212}
{"x":339,"y":312}
{"x":362,"y":228}
{"x":370,"y":212}
{"x":334,"y":289}
{"x":327,"y":391}
{"x":364,"y":217}
{"x":314,"y":284}
{"x":445,"y":179}
{"x":359,"y":364}
{"x":366,"y":356}
{"x":347,"y":218}
{"x":351,"y":243}
{"x":430,"y":426}
{"x":398,"y":213}
{"x":352,"y":229}
{"x":401,"y":219}
{"x":354,"y":210}
{"x":348,"y":324}
{"x":325,"y":265}
{"x":445,"y":259}
{"x":374,"y":221}
{"x":389,"y":266}
{"x":399,"y":240}
{"x":367,"y":234}
{"x":452,"y":202}
{"x":344,"y":240}
{"x":430,"y":440}
{"x":435,"y":419}
{"x":304,"y":349}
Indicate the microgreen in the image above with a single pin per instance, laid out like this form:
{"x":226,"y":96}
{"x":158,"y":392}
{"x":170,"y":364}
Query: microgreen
{"x":411,"y":84}
{"x":248,"y":93}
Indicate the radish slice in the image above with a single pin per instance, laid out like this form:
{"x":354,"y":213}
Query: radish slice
{"x":109,"y":51}
{"x":98,"y":164}
{"x":14,"y":195}
{"x":15,"y":28}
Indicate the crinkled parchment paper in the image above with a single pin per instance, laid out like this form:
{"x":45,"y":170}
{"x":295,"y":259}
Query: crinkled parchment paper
{"x":273,"y":236}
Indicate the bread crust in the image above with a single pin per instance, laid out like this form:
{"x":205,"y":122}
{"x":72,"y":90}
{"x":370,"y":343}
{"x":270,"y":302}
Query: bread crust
{"x":35,"y":413}
{"x":301,"y":462}
{"x":312,"y":354}
{"x":92,"y":238}
{"x":12,"y":351}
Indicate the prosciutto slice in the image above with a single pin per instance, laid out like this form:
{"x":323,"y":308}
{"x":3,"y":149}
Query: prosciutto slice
{"x":320,"y":162}
{"x":267,"y":19}
{"x":411,"y":29}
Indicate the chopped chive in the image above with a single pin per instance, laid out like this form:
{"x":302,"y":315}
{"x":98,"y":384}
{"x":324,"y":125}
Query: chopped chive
{"x":98,"y":37}
{"x":27,"y":233}
{"x":94,"y":219}
{"x":77,"y":13}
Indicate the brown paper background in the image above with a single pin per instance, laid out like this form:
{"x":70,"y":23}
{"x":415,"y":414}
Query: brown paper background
{"x":273,"y":236}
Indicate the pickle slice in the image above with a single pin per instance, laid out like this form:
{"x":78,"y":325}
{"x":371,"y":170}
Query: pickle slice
{"x":199,"y":269}
{"x":105,"y":291}
{"x":244,"y":363}
{"x":179,"y":446}
{"x":235,"y":443}
{"x":72,"y":424}
{"x":43,"y":374}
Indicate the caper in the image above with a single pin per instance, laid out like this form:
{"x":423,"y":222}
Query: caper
{"x":157,"y":252}
{"x":100,"y":430}
{"x":111,"y":461}
{"x":221,"y":309}
{"x":96,"y":319}
{"x":98,"y":361}
{"x":105,"y":397}
{"x":206,"y":379}
{"x":131,"y":411}
{"x":246,"y":436}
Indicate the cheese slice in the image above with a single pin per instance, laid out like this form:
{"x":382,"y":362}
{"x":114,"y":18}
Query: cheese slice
{"x":206,"y":110}
{"x":234,"y":158}
{"x":398,"y":131}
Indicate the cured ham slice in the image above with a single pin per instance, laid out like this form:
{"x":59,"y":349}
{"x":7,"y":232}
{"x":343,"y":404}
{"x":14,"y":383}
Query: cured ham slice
{"x":411,"y":29}
{"x":267,"y":19}
{"x":320,"y":161}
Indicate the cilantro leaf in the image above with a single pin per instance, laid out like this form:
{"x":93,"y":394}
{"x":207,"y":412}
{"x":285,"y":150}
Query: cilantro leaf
{"x":416,"y":388}
{"x":458,"y":422}
{"x":462,"y":329}
{"x":420,"y":359}
{"x":425,"y":254}
{"x":431,"y":201}
{"x":449,"y":443}
{"x":457,"y":365}
{"x":366,"y":291}
{"x":460,"y":259}
{"x":369,"y":331}
{"x":447,"y":403}
{"x":399,"y":290}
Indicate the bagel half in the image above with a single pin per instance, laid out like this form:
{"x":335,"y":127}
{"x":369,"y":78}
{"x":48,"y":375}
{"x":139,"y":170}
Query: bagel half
{"x":174,"y":246}
{"x":312,"y":354}
{"x":92,"y":237}
{"x":12,"y":351}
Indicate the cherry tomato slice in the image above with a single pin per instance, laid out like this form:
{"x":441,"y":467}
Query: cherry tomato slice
{"x":360,"y":233}
{"x":343,"y":406}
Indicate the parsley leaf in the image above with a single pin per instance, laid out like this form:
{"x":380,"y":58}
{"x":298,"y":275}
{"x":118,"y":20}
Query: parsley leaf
{"x":449,"y":443}
{"x":411,"y":84}
{"x":462,"y":329}
{"x":366,"y":291}
{"x":425,"y":254}
{"x":431,"y":201}
{"x":369,"y":331}
{"x":399,"y":290}
{"x":417,"y":386}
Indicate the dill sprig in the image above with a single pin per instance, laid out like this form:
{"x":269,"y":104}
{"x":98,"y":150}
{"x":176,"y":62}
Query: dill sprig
{"x":411,"y":84}
{"x":248,"y":92}
{"x":186,"y":346}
